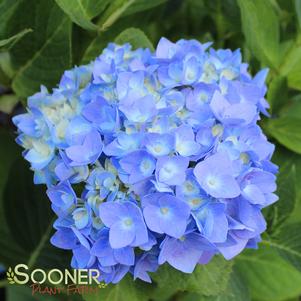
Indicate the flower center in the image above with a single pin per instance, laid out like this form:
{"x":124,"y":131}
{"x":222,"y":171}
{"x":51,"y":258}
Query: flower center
{"x":164,"y":210}
{"x":211,"y":182}
{"x":189,"y":186}
{"x":128,"y":222}
{"x":195,"y":201}
{"x":158,"y":149}
{"x":217,"y":130}
{"x":244,"y":157}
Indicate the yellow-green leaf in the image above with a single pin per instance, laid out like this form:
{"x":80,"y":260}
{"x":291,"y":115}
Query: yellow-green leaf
{"x":135,"y":37}
{"x":82,"y":12}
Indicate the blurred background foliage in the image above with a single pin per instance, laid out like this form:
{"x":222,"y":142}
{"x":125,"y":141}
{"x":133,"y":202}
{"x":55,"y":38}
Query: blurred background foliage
{"x":39,"y":39}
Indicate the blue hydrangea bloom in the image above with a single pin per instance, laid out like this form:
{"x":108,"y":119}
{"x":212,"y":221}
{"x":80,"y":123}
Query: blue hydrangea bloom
{"x":153,"y":158}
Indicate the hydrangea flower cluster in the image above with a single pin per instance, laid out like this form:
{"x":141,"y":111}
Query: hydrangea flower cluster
{"x":153,"y":157}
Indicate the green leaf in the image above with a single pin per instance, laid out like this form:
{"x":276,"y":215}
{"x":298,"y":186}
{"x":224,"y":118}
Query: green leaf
{"x":108,"y":19}
{"x":286,"y":191}
{"x":8,"y":8}
{"x":288,"y":243}
{"x":210,"y":279}
{"x":10,"y":42}
{"x":82,"y":11}
{"x":95,"y":48}
{"x":114,"y":12}
{"x":286,"y":130}
{"x":4,"y":79}
{"x":298,"y":11}
{"x":291,"y":55}
{"x":8,"y":151}
{"x":294,"y":77}
{"x":269,"y":276}
{"x":285,"y":158}
{"x":292,"y":110}
{"x":97,"y":44}
{"x":6,"y":68}
{"x":100,"y":42}
{"x":25,"y":214}
{"x":8,"y":102}
{"x":120,"y":8}
{"x":261,"y":29}
{"x":277,"y":93}
{"x":236,"y":290}
{"x":42,"y":56}
{"x":27,"y":226}
{"x":29,"y":219}
{"x":10,"y":252}
{"x":192,"y":297}
{"x":125,"y":290}
{"x":142,"y":5}
{"x":290,"y":66}
{"x":135,"y":37}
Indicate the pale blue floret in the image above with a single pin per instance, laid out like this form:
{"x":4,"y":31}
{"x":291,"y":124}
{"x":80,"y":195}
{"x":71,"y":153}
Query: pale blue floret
{"x":81,"y":217}
{"x":171,"y":170}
